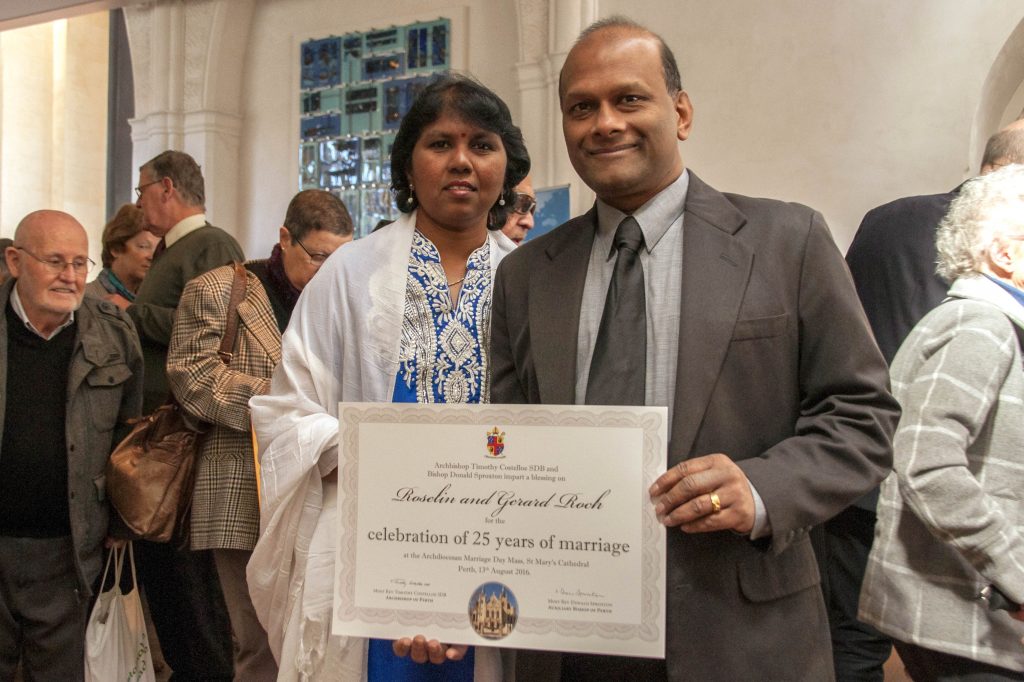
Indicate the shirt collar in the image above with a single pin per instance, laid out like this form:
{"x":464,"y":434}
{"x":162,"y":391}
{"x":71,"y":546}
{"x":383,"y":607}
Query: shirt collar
{"x":654,"y":217}
{"x":19,"y":310}
{"x":184,"y":227}
{"x":1017,"y":294}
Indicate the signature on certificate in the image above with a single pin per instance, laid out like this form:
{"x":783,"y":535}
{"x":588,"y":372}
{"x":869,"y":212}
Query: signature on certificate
{"x":409,"y":583}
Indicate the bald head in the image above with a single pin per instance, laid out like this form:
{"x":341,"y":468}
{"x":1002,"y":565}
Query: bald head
{"x":38,"y":224}
{"x":1014,"y":125}
{"x":1004,"y":148}
{"x":49,"y":260}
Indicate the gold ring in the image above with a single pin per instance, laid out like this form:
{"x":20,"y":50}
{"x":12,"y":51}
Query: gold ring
{"x":716,"y":504}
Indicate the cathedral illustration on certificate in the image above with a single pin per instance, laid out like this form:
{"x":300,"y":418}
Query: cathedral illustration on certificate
{"x":493,"y":611}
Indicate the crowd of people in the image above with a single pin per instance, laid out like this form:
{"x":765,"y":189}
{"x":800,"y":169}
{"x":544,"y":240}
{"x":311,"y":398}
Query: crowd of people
{"x":738,"y":314}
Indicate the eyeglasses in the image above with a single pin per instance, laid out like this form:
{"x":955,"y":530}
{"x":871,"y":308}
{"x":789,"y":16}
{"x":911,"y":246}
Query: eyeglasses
{"x":81,"y":266}
{"x":315,"y":257}
{"x":138,"y":190}
{"x":524,"y":204}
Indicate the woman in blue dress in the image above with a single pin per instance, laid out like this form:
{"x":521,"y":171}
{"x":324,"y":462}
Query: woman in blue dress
{"x":402,"y":315}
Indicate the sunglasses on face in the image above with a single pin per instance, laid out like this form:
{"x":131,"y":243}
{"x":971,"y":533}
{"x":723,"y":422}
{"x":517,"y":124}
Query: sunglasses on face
{"x":524,"y":204}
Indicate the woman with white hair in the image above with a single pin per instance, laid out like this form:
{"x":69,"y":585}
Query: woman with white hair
{"x":949,"y":514}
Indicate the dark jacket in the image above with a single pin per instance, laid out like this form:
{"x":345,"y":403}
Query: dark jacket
{"x":892,"y":260}
{"x":104,"y":391}
{"x":776,"y":369}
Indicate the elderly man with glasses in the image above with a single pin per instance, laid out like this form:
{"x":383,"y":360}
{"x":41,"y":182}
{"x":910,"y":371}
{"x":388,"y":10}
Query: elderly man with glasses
{"x":181,"y":585}
{"x":70,"y":376}
{"x":225,"y":508}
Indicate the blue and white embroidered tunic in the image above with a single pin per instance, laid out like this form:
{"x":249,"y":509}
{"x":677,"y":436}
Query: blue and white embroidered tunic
{"x":443,"y":356}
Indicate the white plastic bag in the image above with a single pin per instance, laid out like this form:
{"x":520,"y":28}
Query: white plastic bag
{"x":116,"y":645}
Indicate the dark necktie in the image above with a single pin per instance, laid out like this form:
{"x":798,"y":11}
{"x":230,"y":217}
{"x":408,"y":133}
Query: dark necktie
{"x":161,"y":246}
{"x":619,"y":365}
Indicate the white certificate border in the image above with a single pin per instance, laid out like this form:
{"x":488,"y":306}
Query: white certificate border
{"x":653,"y":560}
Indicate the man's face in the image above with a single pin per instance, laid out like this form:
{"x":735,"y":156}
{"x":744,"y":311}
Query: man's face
{"x":518,"y":224}
{"x":303,"y":257}
{"x":153,"y":202}
{"x":620,"y":123}
{"x":46,"y":292}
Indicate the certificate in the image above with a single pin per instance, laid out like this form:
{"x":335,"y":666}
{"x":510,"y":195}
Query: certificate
{"x":520,"y":526}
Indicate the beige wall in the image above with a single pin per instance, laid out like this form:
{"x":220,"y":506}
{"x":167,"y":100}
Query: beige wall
{"x":838,"y":104}
{"x":53,"y":122}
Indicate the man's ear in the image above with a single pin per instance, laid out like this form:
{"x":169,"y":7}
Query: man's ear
{"x":1000,"y":257}
{"x":284,"y":237}
{"x":167,"y":186}
{"x":13,"y":257}
{"x":684,"y":109}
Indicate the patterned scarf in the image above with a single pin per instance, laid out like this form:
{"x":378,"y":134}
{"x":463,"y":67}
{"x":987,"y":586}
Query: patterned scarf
{"x":289,"y":295}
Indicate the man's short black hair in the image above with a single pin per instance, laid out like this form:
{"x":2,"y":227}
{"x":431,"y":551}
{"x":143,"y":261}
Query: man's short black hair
{"x":669,"y":67}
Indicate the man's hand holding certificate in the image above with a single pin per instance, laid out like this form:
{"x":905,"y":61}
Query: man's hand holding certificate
{"x":513,"y":526}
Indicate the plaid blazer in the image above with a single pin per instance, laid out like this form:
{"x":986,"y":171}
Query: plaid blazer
{"x":949,"y":516}
{"x":225,"y":509}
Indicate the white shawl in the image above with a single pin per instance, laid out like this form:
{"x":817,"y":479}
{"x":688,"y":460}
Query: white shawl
{"x":342,"y":344}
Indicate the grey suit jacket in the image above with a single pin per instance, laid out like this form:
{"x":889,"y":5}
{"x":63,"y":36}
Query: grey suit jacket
{"x":777,"y":369}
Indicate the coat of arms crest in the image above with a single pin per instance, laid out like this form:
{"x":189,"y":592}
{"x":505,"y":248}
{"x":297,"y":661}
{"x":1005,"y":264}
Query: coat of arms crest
{"x":495,"y":443}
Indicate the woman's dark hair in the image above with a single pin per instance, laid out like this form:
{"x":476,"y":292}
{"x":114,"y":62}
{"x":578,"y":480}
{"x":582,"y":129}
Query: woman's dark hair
{"x":473,"y":102}
{"x":125,"y":224}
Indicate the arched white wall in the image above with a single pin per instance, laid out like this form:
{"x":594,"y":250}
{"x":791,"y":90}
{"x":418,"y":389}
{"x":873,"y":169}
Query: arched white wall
{"x":1002,"y":94}
{"x":187,"y":62}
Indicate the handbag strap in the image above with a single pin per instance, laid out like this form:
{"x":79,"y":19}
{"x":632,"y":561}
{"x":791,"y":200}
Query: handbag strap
{"x":131,"y":559}
{"x":118,"y":566}
{"x":227,"y":342}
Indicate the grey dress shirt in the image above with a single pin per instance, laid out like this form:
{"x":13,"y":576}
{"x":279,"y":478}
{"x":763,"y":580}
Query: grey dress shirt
{"x":661,"y":221}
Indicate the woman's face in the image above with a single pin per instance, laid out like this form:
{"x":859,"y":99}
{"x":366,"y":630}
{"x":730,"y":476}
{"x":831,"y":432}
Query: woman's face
{"x":457,"y":173}
{"x":131,"y":263}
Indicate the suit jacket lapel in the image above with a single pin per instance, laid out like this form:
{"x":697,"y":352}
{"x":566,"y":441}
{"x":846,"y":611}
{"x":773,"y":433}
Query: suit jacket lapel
{"x":555,"y":310}
{"x":716,"y":269}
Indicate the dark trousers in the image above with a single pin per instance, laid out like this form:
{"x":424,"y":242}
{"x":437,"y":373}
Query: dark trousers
{"x":842,"y":545}
{"x":188,"y":610}
{"x":928,"y":665}
{"x":577,"y":667}
{"x":42,"y":614}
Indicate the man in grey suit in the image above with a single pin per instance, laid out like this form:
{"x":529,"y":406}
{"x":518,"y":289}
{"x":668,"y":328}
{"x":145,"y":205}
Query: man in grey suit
{"x":750,"y":333}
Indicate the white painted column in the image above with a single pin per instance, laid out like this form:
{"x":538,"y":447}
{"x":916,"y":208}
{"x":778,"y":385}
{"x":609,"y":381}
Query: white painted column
{"x":547,"y":30}
{"x":187,"y":60}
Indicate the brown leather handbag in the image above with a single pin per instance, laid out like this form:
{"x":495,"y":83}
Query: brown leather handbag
{"x":151,"y":473}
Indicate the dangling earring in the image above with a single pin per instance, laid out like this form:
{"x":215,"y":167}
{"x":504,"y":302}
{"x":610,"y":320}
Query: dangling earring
{"x":501,"y":201}
{"x":412,"y":197}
